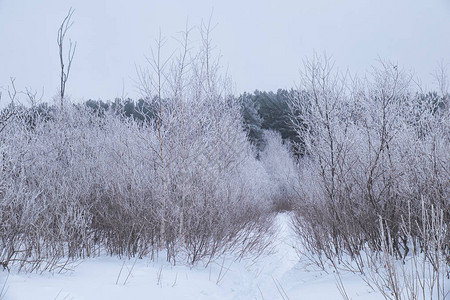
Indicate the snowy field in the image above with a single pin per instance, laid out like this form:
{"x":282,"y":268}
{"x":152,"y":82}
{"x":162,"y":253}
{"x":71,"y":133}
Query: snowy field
{"x":279,"y":275}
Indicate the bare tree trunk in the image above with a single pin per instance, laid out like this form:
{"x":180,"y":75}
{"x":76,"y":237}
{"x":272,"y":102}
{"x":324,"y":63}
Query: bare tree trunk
{"x":65,"y":69}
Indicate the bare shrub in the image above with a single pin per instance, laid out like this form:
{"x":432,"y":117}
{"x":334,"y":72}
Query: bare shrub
{"x":76,"y":183}
{"x":203,"y":156}
{"x":374,"y":149}
{"x":371,"y":150}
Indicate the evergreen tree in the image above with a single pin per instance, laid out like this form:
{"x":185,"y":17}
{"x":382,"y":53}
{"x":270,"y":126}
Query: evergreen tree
{"x":269,"y":111}
{"x":252,"y":120}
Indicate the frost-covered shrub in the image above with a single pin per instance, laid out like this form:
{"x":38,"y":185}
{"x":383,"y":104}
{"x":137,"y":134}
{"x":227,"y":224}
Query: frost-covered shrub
{"x":374,"y":150}
{"x":80,"y":184}
{"x":374,"y":193}
{"x":279,"y":163}
{"x":76,"y":183}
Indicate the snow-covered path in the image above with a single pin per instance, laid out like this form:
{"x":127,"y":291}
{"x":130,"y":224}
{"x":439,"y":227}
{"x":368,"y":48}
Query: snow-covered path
{"x":275,"y":276}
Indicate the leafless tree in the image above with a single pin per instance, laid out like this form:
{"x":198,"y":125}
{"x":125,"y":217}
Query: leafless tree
{"x":65,"y":63}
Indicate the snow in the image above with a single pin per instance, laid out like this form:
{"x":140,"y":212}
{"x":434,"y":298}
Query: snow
{"x":279,"y":275}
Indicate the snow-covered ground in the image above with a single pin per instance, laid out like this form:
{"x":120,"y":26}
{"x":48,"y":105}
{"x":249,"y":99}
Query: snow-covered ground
{"x":276,"y":276}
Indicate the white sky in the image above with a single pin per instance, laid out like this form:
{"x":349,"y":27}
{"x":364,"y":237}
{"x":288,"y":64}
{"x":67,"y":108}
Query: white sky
{"x":262,"y":42}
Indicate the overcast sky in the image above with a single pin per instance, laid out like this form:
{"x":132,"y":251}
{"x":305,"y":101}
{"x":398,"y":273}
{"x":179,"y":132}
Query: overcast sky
{"x":262,"y":42}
